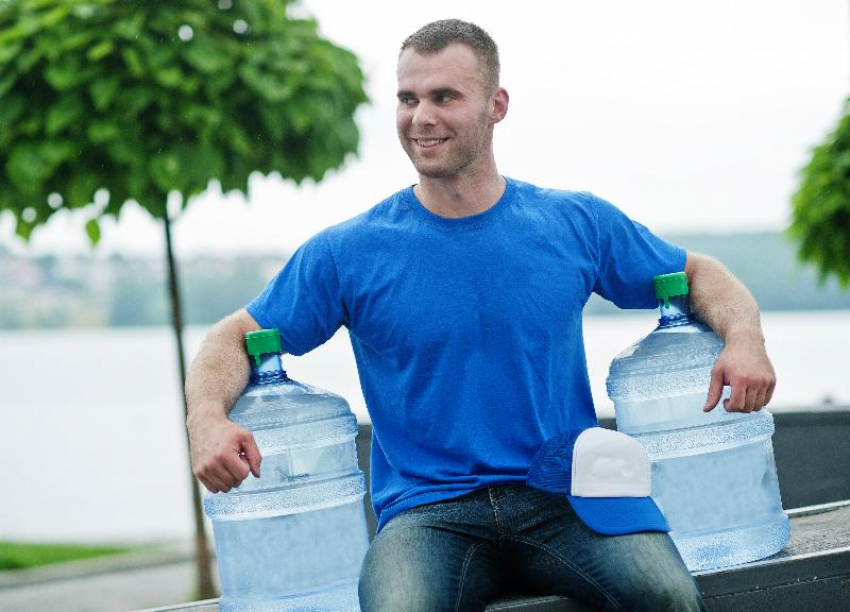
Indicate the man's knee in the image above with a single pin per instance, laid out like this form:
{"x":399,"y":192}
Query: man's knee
{"x":383,"y":590}
{"x":394,"y":578}
{"x":392,"y":596}
{"x":673,"y":593}
{"x":648,"y":574}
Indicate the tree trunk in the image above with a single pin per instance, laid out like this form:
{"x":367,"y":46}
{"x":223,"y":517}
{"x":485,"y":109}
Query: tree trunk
{"x":205,"y":587}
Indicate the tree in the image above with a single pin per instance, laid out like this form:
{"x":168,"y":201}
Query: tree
{"x":103,"y":102}
{"x":821,"y":206}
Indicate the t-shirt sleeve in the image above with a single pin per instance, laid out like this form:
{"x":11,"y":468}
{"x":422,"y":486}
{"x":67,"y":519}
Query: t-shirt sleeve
{"x":629,"y":257}
{"x":303,"y":301}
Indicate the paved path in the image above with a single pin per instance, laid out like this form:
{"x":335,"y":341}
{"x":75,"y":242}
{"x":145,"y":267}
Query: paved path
{"x":813,"y":567}
{"x":110,"y":584}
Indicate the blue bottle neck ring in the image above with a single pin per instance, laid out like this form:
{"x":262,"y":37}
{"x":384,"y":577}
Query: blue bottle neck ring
{"x":268,"y":370}
{"x":675,"y":311}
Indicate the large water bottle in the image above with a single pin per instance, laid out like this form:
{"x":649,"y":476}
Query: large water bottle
{"x":713,"y":474}
{"x":293,"y":539}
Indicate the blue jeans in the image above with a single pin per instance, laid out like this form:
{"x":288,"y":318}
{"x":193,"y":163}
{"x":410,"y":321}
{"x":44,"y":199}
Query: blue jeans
{"x":460,"y":554}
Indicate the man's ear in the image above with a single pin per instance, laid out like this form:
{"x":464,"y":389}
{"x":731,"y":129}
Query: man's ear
{"x":499,"y":104}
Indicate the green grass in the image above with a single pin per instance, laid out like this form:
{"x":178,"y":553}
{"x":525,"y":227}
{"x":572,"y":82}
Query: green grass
{"x":14,"y":555}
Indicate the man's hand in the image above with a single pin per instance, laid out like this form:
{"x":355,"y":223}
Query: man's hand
{"x":724,"y":304}
{"x":222,"y":453}
{"x":744,"y":365}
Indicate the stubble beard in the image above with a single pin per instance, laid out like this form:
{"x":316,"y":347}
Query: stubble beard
{"x":458,"y":160}
{"x":450,"y":169}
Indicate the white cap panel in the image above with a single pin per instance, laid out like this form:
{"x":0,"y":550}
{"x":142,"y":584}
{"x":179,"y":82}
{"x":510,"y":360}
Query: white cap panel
{"x":607,"y":463}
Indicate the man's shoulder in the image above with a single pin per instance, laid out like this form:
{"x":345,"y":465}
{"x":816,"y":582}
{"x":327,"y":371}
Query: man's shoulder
{"x":529,"y":189}
{"x":386,"y":211}
{"x":557,"y":200}
{"x":386,"y":214}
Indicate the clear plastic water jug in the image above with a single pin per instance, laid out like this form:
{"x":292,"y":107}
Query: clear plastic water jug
{"x":713,"y":474}
{"x":293,"y":539}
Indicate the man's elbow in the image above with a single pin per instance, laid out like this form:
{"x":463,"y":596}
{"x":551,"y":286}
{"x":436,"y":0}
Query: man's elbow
{"x":239,"y":323}
{"x":698,"y":263}
{"x":227,"y":336}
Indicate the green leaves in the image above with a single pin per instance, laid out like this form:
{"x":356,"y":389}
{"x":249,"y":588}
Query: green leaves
{"x":103,"y":92}
{"x":93,"y":230}
{"x":100,"y":50}
{"x":205,"y":56}
{"x":133,"y":62}
{"x":821,"y":206}
{"x":66,"y":111}
{"x":146,"y":98}
{"x":33,"y":163}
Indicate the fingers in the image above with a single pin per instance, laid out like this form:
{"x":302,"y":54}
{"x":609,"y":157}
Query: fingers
{"x":215,"y":484}
{"x":737,"y":399}
{"x":208,"y":485}
{"x":252,"y":455}
{"x":748,"y":397}
{"x":211,"y":482}
{"x":746,"y":368}
{"x":750,"y":404}
{"x":769,"y":395}
{"x":223,"y":459}
{"x":236,"y":469}
{"x":715,"y":390}
{"x":759,"y":401}
{"x":221,"y":476}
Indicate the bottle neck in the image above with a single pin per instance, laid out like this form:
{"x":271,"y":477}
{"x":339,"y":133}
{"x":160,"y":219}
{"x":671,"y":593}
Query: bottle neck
{"x":269,"y":370}
{"x":676,"y":312}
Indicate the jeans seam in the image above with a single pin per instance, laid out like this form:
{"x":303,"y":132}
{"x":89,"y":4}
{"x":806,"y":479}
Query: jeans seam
{"x":495,"y":506}
{"x":569,"y":564}
{"x":466,"y":563}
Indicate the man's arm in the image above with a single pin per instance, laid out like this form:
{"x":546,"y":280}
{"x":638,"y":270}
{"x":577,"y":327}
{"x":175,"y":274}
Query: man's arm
{"x":721,"y":300}
{"x":222,"y":452}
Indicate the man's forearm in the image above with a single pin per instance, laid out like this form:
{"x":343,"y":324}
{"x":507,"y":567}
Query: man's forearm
{"x":721,"y":300}
{"x":221,"y":370}
{"x":222,"y":452}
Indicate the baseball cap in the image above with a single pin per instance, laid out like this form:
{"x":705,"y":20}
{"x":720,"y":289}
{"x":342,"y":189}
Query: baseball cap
{"x":605,"y":475}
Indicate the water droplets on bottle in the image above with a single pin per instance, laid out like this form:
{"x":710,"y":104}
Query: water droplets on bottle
{"x":713,"y":474}
{"x":293,"y":539}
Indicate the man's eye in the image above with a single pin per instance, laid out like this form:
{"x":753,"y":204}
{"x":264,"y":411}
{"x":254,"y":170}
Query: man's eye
{"x":444,"y":98}
{"x":405,"y":101}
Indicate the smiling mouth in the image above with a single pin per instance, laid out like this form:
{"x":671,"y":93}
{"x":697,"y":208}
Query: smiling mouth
{"x":429,"y":142}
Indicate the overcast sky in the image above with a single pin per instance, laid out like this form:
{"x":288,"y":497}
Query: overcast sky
{"x":690,"y":116}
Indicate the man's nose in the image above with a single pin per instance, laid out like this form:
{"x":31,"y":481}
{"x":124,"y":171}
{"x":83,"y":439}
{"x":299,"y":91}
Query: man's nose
{"x":424,"y":114}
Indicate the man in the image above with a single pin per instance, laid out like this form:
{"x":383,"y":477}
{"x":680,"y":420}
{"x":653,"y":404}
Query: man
{"x":463,"y":298}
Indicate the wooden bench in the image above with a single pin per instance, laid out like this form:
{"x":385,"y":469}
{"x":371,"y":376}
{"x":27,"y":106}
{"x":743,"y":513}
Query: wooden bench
{"x":812,"y":573}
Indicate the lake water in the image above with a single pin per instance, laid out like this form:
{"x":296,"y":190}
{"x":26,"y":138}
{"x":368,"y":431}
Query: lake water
{"x":92,"y":428}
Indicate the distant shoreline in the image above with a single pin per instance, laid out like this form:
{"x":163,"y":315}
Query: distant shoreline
{"x":93,"y":292}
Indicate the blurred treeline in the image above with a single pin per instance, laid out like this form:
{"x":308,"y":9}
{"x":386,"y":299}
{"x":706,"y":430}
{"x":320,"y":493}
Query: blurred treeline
{"x":767,"y":264}
{"x":97,"y":291}
{"x":116,"y":291}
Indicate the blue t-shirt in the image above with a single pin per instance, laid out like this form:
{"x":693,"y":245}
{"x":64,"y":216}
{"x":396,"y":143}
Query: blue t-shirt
{"x":467,"y":332}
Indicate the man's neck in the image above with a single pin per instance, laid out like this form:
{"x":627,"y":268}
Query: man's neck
{"x":460,"y":196}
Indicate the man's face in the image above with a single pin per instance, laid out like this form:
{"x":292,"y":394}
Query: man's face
{"x":444,"y":118}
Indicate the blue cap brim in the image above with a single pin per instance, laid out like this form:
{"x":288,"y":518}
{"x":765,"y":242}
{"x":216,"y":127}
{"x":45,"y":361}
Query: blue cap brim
{"x":619,"y":515}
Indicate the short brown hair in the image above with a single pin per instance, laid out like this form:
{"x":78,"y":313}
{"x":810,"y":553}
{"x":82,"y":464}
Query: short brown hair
{"x":437,"y":35}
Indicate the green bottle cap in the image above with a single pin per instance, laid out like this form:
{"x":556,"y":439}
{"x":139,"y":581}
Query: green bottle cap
{"x":262,"y":342}
{"x":670,"y":285}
